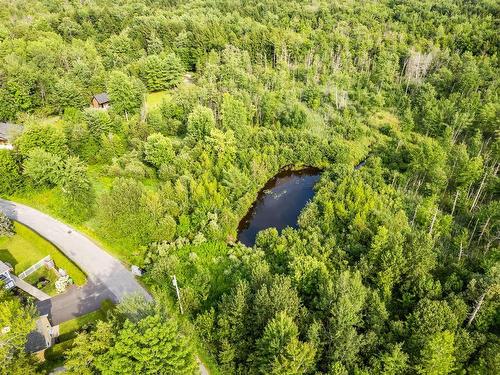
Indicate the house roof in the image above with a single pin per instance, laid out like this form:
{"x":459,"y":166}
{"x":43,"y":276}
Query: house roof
{"x":4,"y":267}
{"x":102,"y":98}
{"x":40,"y":338}
{"x":9,"y":131}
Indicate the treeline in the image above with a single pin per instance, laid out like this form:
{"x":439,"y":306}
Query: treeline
{"x":394,"y":267}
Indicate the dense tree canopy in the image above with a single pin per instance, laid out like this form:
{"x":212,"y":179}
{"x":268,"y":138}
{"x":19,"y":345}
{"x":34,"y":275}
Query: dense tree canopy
{"x":394,"y":265}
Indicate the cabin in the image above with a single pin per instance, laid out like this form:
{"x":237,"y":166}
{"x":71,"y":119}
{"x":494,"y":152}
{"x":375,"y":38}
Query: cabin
{"x":42,"y":337}
{"x":8,"y":132}
{"x":5,"y":275}
{"x":100,"y":101}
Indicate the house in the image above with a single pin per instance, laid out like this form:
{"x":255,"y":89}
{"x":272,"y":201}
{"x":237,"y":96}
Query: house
{"x":42,"y":337}
{"x":5,"y":276}
{"x":8,"y":132}
{"x":100,"y":100}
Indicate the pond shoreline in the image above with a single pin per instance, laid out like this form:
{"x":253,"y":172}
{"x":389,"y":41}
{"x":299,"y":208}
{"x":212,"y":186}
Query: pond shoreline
{"x":284,"y":173}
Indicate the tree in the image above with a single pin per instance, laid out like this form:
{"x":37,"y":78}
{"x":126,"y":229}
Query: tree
{"x":10,"y":175}
{"x":158,"y":150}
{"x":135,"y":308}
{"x":234,"y":114}
{"x":279,"y":351}
{"x":161,"y":72}
{"x":6,"y":226}
{"x":45,"y":137}
{"x":151,"y":346}
{"x":200,"y":123}
{"x":293,"y":115}
{"x":393,"y":362}
{"x":437,"y":355}
{"x":232,"y":331}
{"x":280,"y":296}
{"x":78,"y":193}
{"x":87,"y":348}
{"x":349,"y":296}
{"x":428,"y":164}
{"x":16,"y":321}
{"x":119,"y":50}
{"x":68,"y":93}
{"x":42,"y":167}
{"x":122,"y":213}
{"x":125,"y":93}
{"x":15,"y":96}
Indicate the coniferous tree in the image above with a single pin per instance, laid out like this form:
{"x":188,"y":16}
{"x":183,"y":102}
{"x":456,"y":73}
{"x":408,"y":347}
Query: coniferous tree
{"x":150,"y":346}
{"x":161,"y":72}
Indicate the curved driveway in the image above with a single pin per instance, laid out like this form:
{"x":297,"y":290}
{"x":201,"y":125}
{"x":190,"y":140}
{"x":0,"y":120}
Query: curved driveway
{"x":107,"y":277}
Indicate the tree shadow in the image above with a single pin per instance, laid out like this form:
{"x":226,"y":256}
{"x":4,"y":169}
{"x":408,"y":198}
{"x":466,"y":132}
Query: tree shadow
{"x":78,"y":301}
{"x":7,"y":257}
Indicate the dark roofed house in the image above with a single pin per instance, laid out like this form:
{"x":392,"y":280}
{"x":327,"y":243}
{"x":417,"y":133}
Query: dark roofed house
{"x":100,"y":100}
{"x":42,"y":337}
{"x":8,"y":132}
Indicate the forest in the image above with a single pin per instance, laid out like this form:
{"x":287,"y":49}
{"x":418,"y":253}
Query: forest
{"x":394,"y":267}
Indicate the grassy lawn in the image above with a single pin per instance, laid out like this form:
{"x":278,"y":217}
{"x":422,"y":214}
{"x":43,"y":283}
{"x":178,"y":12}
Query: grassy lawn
{"x":68,"y":330}
{"x":154,"y":99}
{"x":27,"y":248}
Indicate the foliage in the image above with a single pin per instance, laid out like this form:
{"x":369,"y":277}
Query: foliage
{"x":393,"y":267}
{"x":16,"y":321}
{"x":6,"y":226}
{"x":200,"y":123}
{"x":158,"y":150}
{"x":126,"y":93}
{"x":149,"y":344}
{"x":42,"y":167}
{"x":161,"y":72}
{"x":10,"y":176}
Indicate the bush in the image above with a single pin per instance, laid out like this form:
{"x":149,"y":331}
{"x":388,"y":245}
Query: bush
{"x":6,"y":226}
{"x":42,"y":167}
{"x":46,"y":137}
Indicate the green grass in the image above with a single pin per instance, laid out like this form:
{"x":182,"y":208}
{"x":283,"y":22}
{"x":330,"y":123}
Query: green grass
{"x":54,"y":356}
{"x":68,"y":330}
{"x":27,"y":247}
{"x":154,"y":99}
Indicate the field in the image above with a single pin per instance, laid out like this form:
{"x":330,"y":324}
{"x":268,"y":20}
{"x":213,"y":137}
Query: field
{"x":26,"y":248}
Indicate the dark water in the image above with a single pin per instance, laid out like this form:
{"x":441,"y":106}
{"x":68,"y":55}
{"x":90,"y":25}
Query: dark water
{"x":279,"y":203}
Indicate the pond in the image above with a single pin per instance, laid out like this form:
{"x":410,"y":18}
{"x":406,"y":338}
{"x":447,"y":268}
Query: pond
{"x":279,"y":203}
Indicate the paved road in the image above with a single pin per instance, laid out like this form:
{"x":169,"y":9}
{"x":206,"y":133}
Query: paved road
{"x":107,"y":278}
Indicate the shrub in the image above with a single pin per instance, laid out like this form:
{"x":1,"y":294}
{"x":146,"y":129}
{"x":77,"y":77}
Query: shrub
{"x":6,"y":226}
